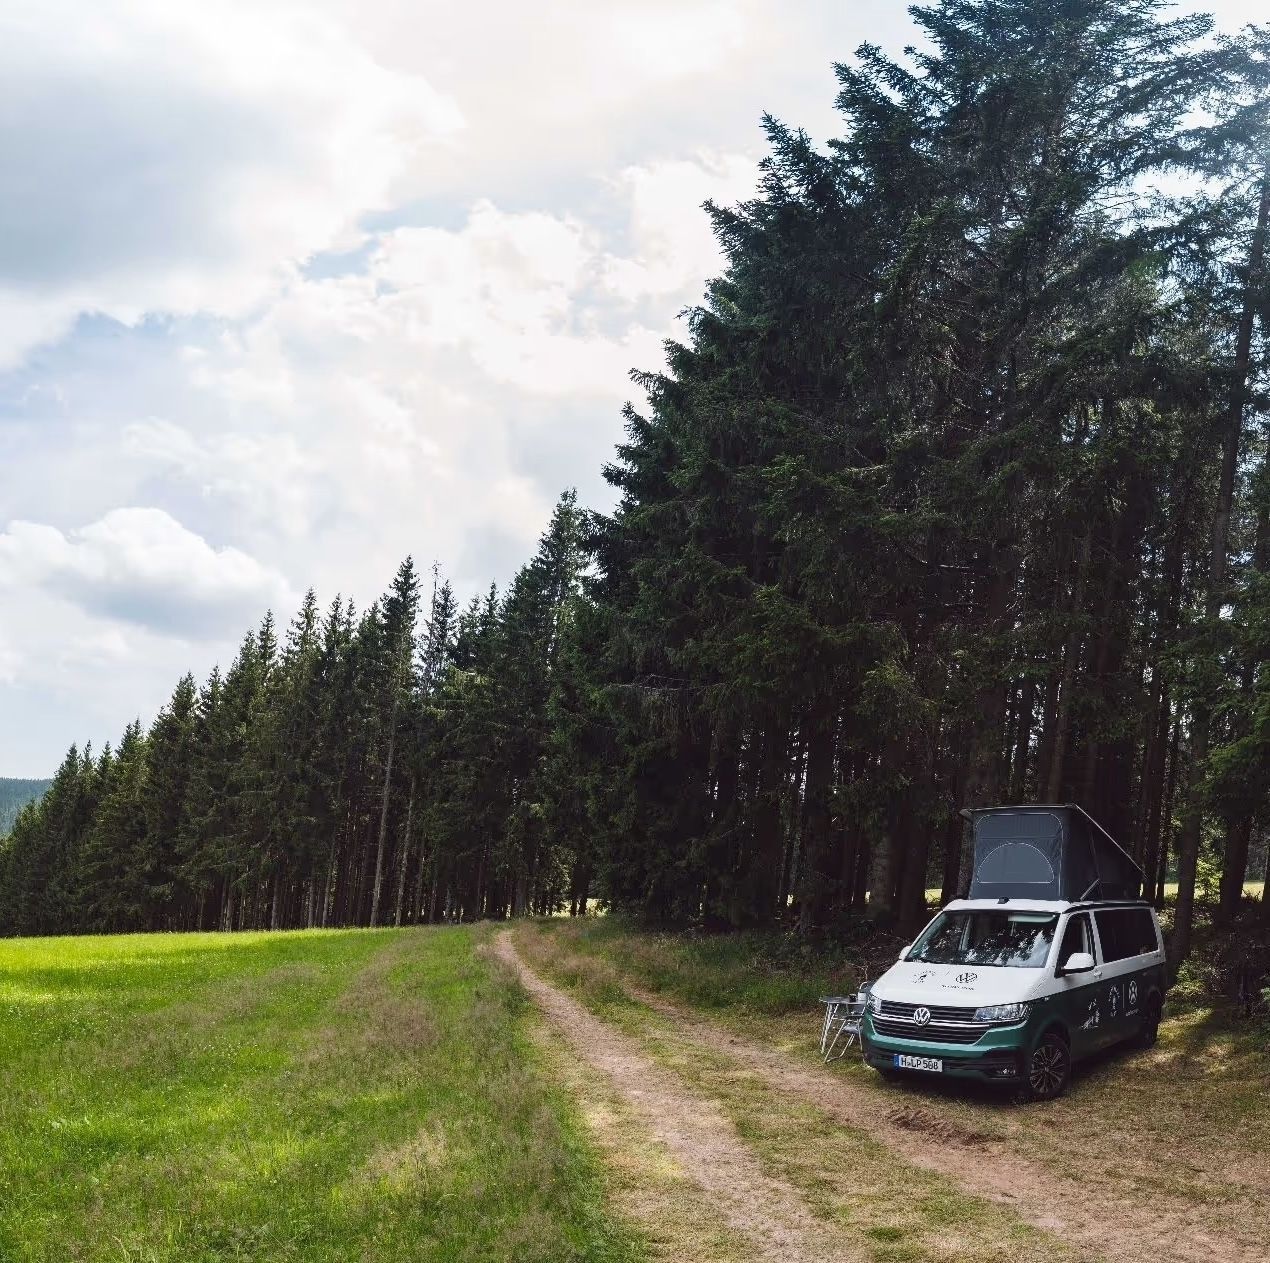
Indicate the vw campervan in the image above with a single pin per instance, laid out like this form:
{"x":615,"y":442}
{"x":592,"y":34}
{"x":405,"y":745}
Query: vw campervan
{"x":1053,"y":956}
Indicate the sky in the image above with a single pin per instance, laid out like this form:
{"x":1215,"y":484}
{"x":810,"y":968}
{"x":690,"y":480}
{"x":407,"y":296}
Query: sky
{"x":290,"y":291}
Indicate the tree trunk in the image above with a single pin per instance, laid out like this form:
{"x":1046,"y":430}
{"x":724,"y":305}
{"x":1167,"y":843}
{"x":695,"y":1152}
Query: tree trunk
{"x":816,"y":874}
{"x":416,"y":900}
{"x":405,"y":855}
{"x":377,"y":888}
{"x":1234,"y":870}
{"x":1022,"y":742}
{"x":1239,"y":836}
{"x":911,"y":903}
{"x":767,"y":852}
{"x":1265,"y":892}
{"x":1153,"y":784}
{"x":434,"y":896}
{"x":899,"y":818}
{"x":952,"y":860}
{"x":1170,"y":797}
{"x":1201,"y":722}
{"x":1049,"y":721}
{"x":982,"y":786}
{"x":789,"y":851}
{"x":1067,"y":678}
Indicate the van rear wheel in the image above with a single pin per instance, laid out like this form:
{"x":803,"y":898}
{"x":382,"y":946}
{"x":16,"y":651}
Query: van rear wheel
{"x":1047,"y":1070}
{"x":1149,"y":1031}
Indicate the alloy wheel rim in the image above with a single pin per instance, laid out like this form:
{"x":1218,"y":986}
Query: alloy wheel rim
{"x":1048,"y":1066}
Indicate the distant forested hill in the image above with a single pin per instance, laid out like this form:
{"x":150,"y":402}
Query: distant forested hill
{"x":14,"y":795}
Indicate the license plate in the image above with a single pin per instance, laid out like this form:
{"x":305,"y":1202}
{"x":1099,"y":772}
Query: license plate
{"x":904,"y":1062}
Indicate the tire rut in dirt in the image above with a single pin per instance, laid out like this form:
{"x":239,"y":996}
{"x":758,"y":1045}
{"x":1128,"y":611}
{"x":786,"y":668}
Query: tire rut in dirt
{"x":1082,"y":1212}
{"x":767,"y":1211}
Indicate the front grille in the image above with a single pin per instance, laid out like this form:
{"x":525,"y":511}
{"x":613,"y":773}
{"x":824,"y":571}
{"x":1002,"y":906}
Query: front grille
{"x":936,"y":1032}
{"x":938,"y":1012}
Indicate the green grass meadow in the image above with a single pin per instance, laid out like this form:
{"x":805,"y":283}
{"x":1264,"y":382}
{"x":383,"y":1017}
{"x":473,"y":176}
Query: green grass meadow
{"x":343,"y":1095}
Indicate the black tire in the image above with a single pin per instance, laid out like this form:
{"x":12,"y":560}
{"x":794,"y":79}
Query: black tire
{"x":1047,"y":1070}
{"x":1149,"y":1031}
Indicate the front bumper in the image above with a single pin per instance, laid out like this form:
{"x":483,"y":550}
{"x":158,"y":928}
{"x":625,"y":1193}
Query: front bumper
{"x":997,"y":1056}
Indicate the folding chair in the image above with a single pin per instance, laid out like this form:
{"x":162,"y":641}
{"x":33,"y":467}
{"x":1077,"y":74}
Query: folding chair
{"x":843,"y":1015}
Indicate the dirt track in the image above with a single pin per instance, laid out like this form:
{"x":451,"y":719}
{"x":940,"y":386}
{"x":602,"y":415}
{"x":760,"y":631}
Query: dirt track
{"x":1081,"y":1212}
{"x":770,"y":1213}
{"x":1100,"y":1223}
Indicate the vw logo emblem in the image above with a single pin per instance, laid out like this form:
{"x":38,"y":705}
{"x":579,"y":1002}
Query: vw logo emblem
{"x":921,"y":1017}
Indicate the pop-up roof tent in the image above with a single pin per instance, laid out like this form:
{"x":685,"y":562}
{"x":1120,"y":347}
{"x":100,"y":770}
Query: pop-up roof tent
{"x":1048,"y":853}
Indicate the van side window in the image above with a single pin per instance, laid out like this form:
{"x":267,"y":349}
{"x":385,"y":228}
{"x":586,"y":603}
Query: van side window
{"x":1142,"y":932}
{"x":1126,"y":932}
{"x":1076,"y":938}
{"x":1109,"y":936}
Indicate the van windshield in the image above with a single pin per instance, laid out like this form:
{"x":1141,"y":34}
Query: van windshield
{"x":1016,"y":940}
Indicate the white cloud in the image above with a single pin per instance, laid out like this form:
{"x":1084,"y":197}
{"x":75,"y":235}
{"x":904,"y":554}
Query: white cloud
{"x":141,"y":566}
{"x":670,"y":41}
{"x":673,"y":246}
{"x":446,"y":393}
{"x":181,"y":158}
{"x":9,"y":662}
{"x":437,"y":400}
{"x":262,"y":477}
{"x":542,"y":303}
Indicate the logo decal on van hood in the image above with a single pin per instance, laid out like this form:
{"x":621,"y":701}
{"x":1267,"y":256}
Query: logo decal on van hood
{"x":967,"y":978}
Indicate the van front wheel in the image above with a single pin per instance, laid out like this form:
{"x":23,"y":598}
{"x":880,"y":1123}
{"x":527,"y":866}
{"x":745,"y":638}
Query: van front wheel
{"x":1047,"y":1071}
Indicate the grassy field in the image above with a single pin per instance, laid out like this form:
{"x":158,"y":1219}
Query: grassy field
{"x":312,"y":1096}
{"x":391,"y":1095}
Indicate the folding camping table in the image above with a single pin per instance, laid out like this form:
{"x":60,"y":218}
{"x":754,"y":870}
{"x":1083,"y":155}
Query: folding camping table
{"x":843,"y":1015}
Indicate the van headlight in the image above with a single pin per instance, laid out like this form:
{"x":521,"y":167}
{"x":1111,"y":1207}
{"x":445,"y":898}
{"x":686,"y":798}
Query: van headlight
{"x":875,"y":1003}
{"x":1003,"y":1012}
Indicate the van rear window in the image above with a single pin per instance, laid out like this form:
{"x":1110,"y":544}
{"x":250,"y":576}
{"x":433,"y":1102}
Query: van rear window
{"x":1014,"y":940}
{"x":1125,"y":932}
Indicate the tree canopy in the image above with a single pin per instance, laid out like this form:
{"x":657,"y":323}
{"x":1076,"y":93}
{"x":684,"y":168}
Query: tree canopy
{"x":956,"y":493}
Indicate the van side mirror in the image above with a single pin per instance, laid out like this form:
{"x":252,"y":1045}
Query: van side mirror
{"x":1078,"y":963}
{"x":904,"y":951}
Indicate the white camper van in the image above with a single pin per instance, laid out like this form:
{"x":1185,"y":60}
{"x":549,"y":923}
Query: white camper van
{"x":1053,"y":956}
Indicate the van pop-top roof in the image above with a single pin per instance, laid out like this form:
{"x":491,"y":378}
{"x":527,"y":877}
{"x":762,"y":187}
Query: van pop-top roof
{"x":1048,"y":852}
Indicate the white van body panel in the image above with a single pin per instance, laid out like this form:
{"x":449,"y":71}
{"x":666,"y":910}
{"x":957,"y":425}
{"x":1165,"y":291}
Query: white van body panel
{"x":969,"y":986}
{"x":1015,"y":905}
